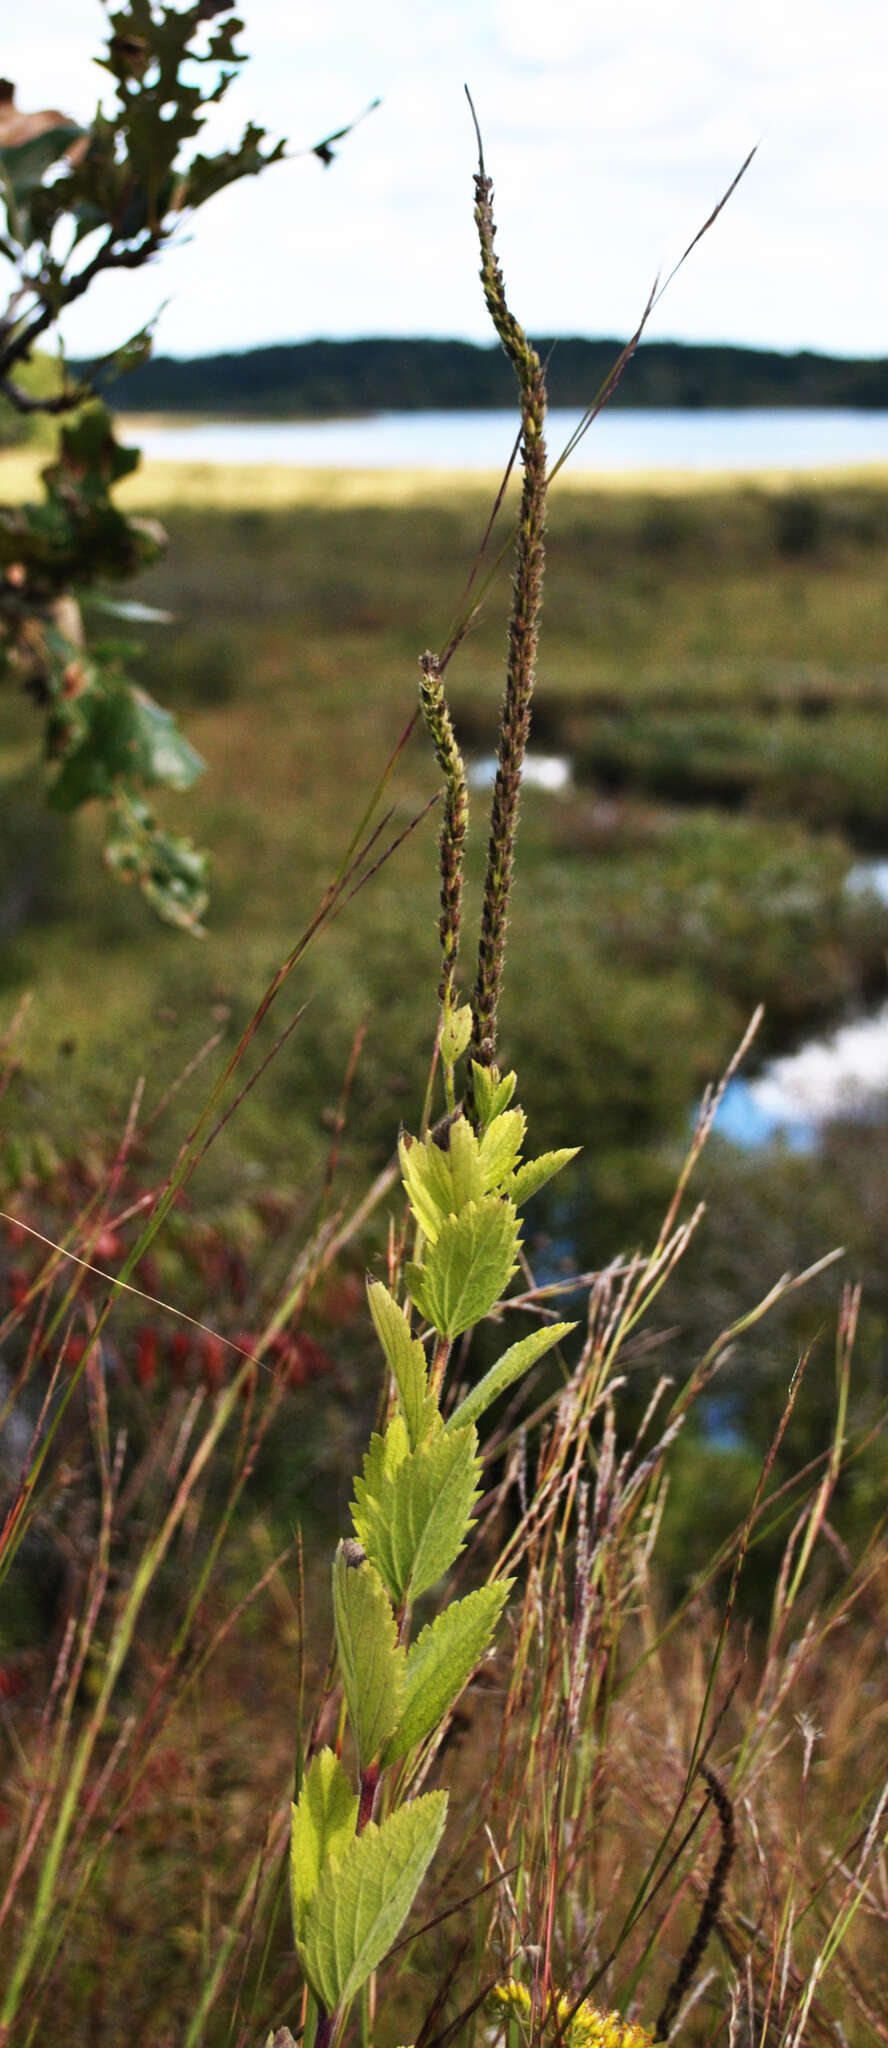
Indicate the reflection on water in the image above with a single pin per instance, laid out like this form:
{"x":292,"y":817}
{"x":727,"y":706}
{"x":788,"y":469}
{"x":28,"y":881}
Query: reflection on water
{"x":869,"y":878}
{"x":744,"y":1121}
{"x":845,"y":1074}
{"x":540,"y":771}
{"x":841,"y":1074}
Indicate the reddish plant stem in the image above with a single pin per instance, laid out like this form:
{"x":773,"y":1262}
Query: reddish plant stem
{"x":369,"y":1784}
{"x":439,"y":1365}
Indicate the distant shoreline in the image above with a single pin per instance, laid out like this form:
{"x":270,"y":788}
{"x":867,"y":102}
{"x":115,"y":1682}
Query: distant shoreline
{"x":317,"y":380}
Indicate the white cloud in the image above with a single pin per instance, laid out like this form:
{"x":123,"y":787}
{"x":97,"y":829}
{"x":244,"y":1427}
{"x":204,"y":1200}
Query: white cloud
{"x":610,"y":133}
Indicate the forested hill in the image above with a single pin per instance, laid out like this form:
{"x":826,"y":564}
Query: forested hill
{"x":315,"y":379}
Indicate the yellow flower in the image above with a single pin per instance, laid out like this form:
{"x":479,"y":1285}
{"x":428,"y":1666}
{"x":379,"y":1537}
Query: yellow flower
{"x":589,"y":2027}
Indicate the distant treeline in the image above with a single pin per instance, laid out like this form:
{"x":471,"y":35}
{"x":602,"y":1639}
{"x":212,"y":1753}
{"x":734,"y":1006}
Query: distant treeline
{"x":317,"y":379}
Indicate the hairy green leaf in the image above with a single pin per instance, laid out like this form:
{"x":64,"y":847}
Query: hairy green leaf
{"x":322,"y":1825}
{"x":514,"y":1363}
{"x":441,"y":1661}
{"x":370,"y":1658}
{"x":465,"y":1272}
{"x":406,"y":1359}
{"x":413,"y":1524}
{"x":365,"y":1897}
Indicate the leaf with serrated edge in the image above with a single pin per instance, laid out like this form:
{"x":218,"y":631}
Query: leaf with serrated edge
{"x":442,"y":1660}
{"x":500,"y":1146}
{"x":535,"y":1173}
{"x":455,"y":1034}
{"x":463,"y":1162}
{"x":441,"y":1179}
{"x":423,"y":1199}
{"x":490,"y":1094}
{"x":465,"y":1273}
{"x":381,"y":1460}
{"x":405,"y":1356}
{"x":415,"y":1526}
{"x":370,"y":1659}
{"x":517,"y":1360}
{"x":322,"y":1825}
{"x":361,"y":1905}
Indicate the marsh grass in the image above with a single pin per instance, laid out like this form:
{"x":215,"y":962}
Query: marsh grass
{"x":151,"y":1732}
{"x":667,"y":619}
{"x":164,"y":1871}
{"x":599,"y":1827}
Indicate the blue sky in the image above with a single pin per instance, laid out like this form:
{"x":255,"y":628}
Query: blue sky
{"x":609,"y":130}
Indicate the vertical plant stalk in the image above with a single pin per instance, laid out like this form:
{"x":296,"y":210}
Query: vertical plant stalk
{"x":436,"y":712}
{"x":710,"y":1909}
{"x":523,"y":629}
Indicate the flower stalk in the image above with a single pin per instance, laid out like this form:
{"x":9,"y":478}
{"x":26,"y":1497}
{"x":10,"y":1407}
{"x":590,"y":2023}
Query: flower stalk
{"x":439,"y":722}
{"x":523,"y":629}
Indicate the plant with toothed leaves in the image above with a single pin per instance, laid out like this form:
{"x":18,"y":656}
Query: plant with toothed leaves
{"x":353,"y":1880}
{"x":353,"y":1876}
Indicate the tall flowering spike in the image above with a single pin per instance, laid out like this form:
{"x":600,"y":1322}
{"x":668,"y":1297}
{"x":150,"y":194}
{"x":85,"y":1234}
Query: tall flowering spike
{"x":436,"y":713}
{"x":523,"y":631}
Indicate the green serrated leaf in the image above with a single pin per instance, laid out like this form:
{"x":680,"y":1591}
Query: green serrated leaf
{"x":370,"y":1659}
{"x":500,"y":1146}
{"x":535,"y":1173}
{"x":322,"y":1825}
{"x":417,"y":1173}
{"x":382,"y":1458}
{"x":490,"y":1093}
{"x":440,"y":1179}
{"x":441,"y":1662}
{"x":466,"y":1271}
{"x":462,"y":1161}
{"x":406,"y":1359}
{"x":455,"y":1033}
{"x":514,"y":1363}
{"x":413,"y":1524}
{"x":365,"y":1897}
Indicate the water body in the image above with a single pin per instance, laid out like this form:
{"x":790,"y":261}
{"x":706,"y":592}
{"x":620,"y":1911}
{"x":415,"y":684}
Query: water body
{"x":619,"y":442}
{"x":839,"y":1074}
{"x":540,"y":771}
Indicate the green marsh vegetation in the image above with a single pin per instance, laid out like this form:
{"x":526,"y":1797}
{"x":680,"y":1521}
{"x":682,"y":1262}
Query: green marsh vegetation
{"x":655,"y":1772}
{"x":689,"y":871}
